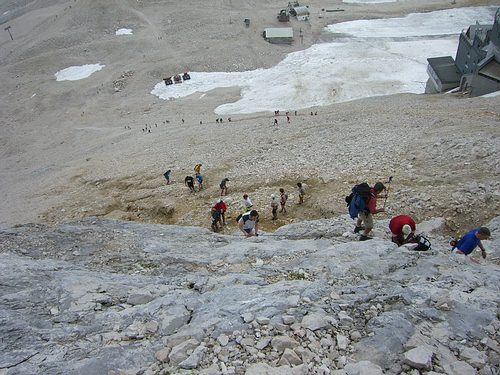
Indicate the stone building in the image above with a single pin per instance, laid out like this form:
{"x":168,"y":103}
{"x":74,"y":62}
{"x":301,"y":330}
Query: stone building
{"x":476,"y":67}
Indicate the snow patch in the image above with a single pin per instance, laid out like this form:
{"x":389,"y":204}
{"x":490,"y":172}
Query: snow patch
{"x":372,"y":58}
{"x":75,"y":73}
{"x":124,"y":32}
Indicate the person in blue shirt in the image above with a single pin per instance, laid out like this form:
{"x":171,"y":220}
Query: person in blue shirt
{"x":471,"y":240}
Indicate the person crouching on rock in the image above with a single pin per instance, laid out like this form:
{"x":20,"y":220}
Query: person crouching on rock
{"x":249,"y":223}
{"x":471,"y":240}
{"x":403,"y":229}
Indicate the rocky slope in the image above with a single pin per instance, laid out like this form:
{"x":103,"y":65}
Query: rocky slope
{"x":111,"y":297}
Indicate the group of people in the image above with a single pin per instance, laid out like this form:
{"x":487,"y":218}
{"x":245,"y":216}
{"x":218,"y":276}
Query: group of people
{"x":362,"y":203}
{"x":249,"y":218}
{"x":189,"y":180}
{"x":403,"y":227}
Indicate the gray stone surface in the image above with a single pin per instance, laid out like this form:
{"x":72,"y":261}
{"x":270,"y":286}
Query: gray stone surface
{"x":363,"y":368}
{"x":94,"y":296}
{"x":419,"y":357}
{"x":459,"y":368}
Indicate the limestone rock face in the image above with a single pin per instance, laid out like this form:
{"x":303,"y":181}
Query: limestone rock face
{"x":166,"y":299}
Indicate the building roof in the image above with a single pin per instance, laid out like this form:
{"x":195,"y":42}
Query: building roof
{"x":301,"y":10}
{"x":491,"y":70}
{"x":481,"y":31}
{"x":445,"y":69}
{"x":278,"y":32}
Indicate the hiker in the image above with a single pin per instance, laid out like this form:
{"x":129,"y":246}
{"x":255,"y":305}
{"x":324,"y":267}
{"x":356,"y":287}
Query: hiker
{"x":249,"y":223}
{"x":365,"y":216}
{"x":301,"y":191}
{"x":283,"y":199}
{"x":167,"y":176}
{"x":223,"y":186}
{"x":197,"y":168}
{"x":274,"y":207}
{"x":288,"y":119}
{"x":247,"y":203}
{"x":215,"y":213}
{"x":222,"y":208}
{"x":471,"y":240}
{"x":403,"y":229}
{"x":275,"y":121}
{"x":189,"y":182}
{"x":199,"y":178}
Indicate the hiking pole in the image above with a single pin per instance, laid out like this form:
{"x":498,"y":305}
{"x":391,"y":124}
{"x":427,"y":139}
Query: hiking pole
{"x":387,"y":190}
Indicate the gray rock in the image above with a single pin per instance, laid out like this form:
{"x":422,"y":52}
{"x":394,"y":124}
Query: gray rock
{"x":263,"y":342}
{"x":139,"y":299}
{"x":247,"y":317}
{"x":473,"y":357}
{"x":194,"y":359}
{"x":291,"y":357}
{"x":180,"y":352}
{"x":223,"y":339}
{"x":459,"y":368}
{"x":201,"y":287}
{"x":265,"y":369}
{"x":342,"y":342}
{"x":262,"y":320}
{"x":314,"y":322}
{"x":363,"y":368}
{"x":162,"y":354}
{"x":419,"y":358}
{"x":211,"y":370}
{"x":280,"y":343}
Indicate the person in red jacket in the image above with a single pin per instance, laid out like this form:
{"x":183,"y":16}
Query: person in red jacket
{"x":403,"y":229}
{"x":221,"y":207}
{"x":366,"y":217}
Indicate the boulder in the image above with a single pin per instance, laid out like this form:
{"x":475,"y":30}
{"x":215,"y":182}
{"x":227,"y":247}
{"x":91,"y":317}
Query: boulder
{"x":419,"y":358}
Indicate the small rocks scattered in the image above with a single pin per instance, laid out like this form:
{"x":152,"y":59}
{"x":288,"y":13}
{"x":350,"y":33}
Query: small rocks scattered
{"x":383,"y":311}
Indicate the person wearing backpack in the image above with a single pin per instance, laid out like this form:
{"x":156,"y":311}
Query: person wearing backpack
{"x":365,"y":216}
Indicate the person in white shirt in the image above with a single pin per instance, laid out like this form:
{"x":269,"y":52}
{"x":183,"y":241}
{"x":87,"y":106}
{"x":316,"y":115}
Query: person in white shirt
{"x":247,"y":203}
{"x":249,"y":223}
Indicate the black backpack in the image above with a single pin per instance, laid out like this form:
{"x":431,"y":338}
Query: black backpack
{"x":363,"y":190}
{"x":423,"y":243}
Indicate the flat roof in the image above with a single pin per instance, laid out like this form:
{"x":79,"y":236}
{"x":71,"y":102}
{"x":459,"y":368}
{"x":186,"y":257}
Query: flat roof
{"x":445,"y":68}
{"x":491,"y":70}
{"x":301,"y":10}
{"x":279,"y":32}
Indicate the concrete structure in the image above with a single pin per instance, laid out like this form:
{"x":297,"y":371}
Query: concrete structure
{"x":477,"y":62}
{"x":278,"y":35}
{"x":301,"y":12}
{"x":443,"y":74}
